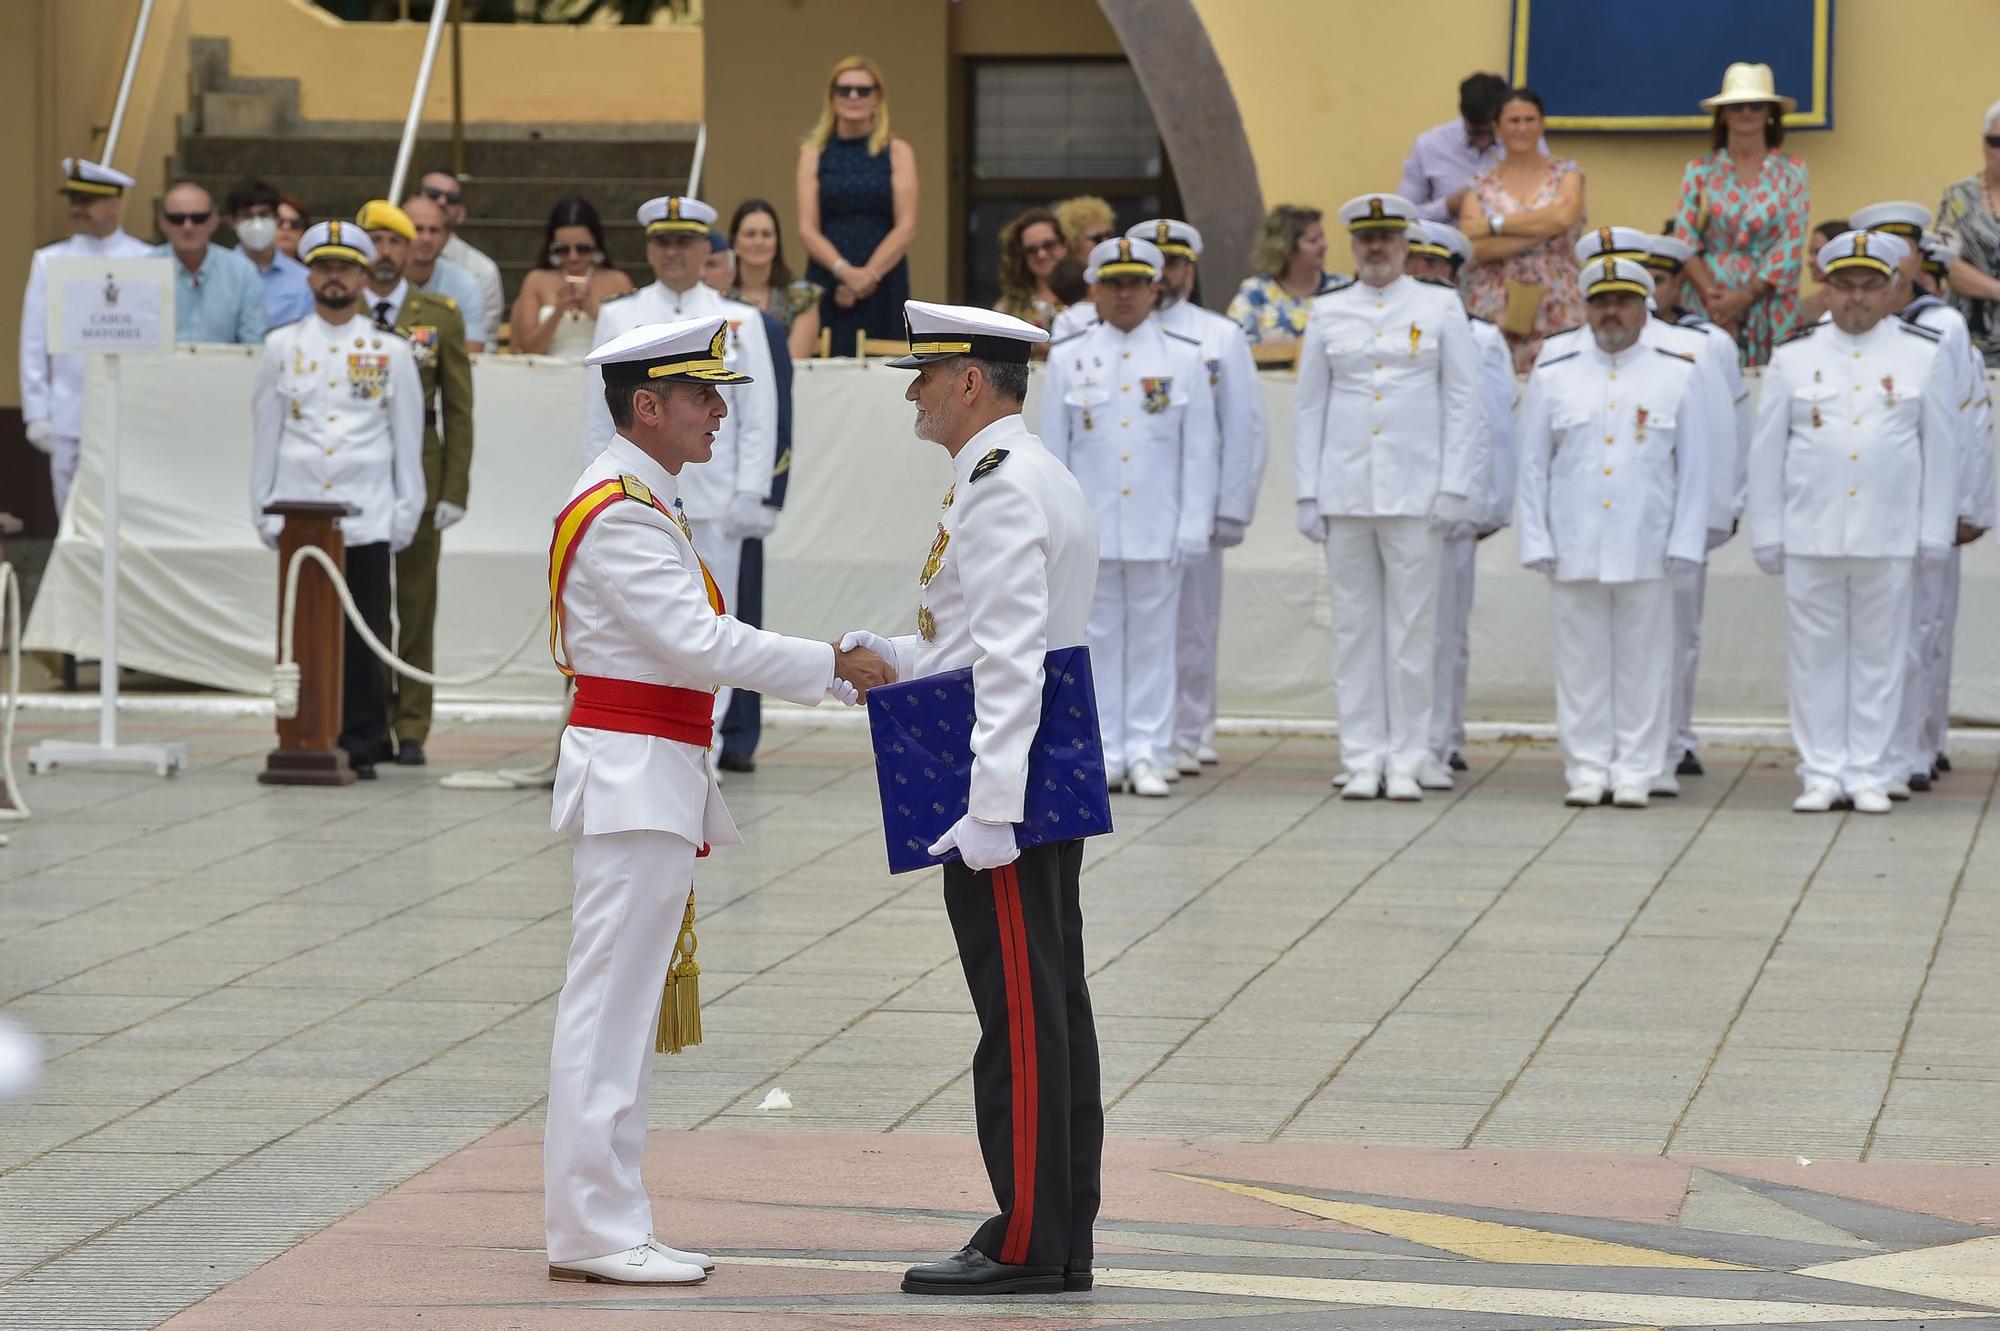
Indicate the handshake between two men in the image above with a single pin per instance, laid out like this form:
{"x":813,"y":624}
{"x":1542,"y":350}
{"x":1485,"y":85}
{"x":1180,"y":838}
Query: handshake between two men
{"x":861,"y":661}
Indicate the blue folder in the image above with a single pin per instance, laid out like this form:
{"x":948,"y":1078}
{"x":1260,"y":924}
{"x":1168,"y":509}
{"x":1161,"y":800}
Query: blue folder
{"x":922,"y":730}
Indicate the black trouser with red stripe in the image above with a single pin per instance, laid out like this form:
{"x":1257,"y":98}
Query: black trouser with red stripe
{"x":1035,"y":1081}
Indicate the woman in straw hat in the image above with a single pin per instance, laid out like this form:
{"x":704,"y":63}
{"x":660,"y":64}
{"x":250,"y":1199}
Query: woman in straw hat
{"x":1744,"y":206}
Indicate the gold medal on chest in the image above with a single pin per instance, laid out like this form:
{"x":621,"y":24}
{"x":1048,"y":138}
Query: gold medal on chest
{"x":936,"y":559}
{"x":926,"y":624}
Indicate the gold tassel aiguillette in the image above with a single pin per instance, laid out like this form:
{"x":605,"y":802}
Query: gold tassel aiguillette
{"x":680,"y":1005}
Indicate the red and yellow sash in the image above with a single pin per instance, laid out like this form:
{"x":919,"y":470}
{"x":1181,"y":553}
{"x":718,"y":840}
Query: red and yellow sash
{"x":571,"y":524}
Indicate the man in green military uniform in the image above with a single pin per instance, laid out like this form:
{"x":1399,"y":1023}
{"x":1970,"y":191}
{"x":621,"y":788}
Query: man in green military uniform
{"x":436,"y":332}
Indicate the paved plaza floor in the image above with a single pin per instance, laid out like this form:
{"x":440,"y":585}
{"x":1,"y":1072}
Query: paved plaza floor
{"x":1484,"y":1062}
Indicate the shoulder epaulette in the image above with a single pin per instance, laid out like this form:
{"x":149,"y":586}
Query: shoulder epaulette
{"x":1806,"y":331}
{"x":1927,"y":334}
{"x":1557,"y":360}
{"x":1480,"y":319}
{"x":1182,"y":337}
{"x":1337,"y":284}
{"x":636,"y":488}
{"x":987,"y":465}
{"x":1071,"y":337}
{"x":1677,"y":355}
{"x":286,"y":324}
{"x":403,"y":333}
{"x":631,"y":291}
{"x":449,"y":303}
{"x":1439,"y":283}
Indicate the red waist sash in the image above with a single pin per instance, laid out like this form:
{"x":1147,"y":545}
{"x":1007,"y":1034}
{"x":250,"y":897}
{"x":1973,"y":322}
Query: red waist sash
{"x":633,"y":708}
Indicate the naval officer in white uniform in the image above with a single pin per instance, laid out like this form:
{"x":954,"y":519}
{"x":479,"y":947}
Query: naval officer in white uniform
{"x":1613,"y":497}
{"x":1384,"y":444}
{"x":641,"y":625}
{"x":1853,"y":479}
{"x":1128,"y":409}
{"x":52,"y":386}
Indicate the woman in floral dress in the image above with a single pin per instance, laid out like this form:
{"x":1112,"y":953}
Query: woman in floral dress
{"x":1744,"y":207}
{"x":1524,"y":216}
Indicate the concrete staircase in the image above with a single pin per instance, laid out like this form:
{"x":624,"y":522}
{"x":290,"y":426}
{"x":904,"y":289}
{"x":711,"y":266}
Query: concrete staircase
{"x":514,"y":174}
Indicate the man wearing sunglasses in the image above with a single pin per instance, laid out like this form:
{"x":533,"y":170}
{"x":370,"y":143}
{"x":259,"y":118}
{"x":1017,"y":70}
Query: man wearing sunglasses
{"x":218,"y":296}
{"x":52,"y":386}
{"x":448,"y":192}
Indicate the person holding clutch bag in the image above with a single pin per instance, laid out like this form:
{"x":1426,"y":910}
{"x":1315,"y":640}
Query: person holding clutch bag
{"x":1010,"y":577}
{"x":1523,"y":217}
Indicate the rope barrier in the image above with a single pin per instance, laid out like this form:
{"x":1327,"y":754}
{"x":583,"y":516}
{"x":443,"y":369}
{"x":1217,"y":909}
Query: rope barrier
{"x":17,"y":808}
{"x":285,"y":675}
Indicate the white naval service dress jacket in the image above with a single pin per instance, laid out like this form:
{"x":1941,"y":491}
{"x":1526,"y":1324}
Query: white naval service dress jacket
{"x":1720,"y":347}
{"x":337,"y":416}
{"x":746,"y":446}
{"x":1244,"y":435}
{"x":1010,"y":578}
{"x":635,"y":607}
{"x":1495,"y":466}
{"x":1388,"y":409}
{"x":1976,"y":499}
{"x":1131,"y":415}
{"x":52,"y":386}
{"x":1614,"y":464}
{"x":1855,"y":449}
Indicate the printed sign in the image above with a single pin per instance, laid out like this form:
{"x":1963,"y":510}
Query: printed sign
{"x":100,"y":306}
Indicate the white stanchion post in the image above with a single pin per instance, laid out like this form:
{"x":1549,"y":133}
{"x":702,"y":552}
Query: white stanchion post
{"x":107,"y":686}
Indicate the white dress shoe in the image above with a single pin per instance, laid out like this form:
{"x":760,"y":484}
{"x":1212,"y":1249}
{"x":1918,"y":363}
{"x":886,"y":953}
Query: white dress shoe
{"x":1207,"y":756}
{"x":1190,"y":763}
{"x":1667,"y":784}
{"x":1871,"y":801}
{"x":1629,"y":796}
{"x":1403,"y":788}
{"x":700,"y":1259}
{"x":1434,"y":775}
{"x":1147,"y":781}
{"x":643,"y":1265}
{"x":1171,"y":772}
{"x":1341,"y":778}
{"x":1816,"y":799}
{"x":1895,"y":790}
{"x":1584,"y":795}
{"x":1362,"y":786}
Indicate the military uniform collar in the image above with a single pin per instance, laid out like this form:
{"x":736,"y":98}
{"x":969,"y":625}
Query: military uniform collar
{"x":1640,"y":347}
{"x":1003,"y":433}
{"x":697,"y":299}
{"x":1150,"y":321}
{"x":398,"y":297}
{"x":632,"y":460}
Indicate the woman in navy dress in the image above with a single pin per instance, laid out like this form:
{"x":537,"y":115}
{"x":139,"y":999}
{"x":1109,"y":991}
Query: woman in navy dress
{"x":858,"y":208}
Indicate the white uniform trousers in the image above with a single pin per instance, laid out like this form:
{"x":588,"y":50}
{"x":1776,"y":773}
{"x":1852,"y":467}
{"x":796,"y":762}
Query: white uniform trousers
{"x":631,"y":890}
{"x":724,"y":558}
{"x":1690,"y":594}
{"x":1911,"y":752}
{"x":1848,"y":635}
{"x":1195,"y":647}
{"x":1382,"y":574}
{"x":1132,"y":624}
{"x":1937,"y":721}
{"x":64,"y":450}
{"x":1453,"y":658}
{"x":1614,"y":678}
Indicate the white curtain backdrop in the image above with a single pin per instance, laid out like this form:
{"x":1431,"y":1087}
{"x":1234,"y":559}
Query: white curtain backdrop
{"x":198,"y":592}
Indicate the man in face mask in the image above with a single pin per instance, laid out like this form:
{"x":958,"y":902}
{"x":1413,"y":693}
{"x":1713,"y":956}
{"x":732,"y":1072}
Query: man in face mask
{"x":253,"y":215}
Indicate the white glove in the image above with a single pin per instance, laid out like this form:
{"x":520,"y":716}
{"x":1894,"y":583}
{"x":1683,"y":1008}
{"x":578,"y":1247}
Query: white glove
{"x":1188,"y":549}
{"x":268,"y":529}
{"x":1229,"y":533}
{"x":748,"y":519}
{"x":1682,"y":568}
{"x":1463,"y":531}
{"x":1930,"y":556}
{"x":446,"y":514}
{"x":1448,"y":510}
{"x":1717,"y":539}
{"x":38,"y":433}
{"x":981,"y":845}
{"x":1770,"y":558}
{"x":875,"y":643}
{"x":1311,"y":525}
{"x":841,"y":691}
{"x":1544,"y":566}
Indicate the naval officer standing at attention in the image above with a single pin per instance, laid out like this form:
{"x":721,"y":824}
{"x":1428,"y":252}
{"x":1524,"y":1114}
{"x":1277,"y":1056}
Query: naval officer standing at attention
{"x":640,"y":624}
{"x":1009,"y":579}
{"x":1384,"y":444}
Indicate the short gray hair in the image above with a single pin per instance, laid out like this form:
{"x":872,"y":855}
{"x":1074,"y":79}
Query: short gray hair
{"x":618,"y":400}
{"x":1009,"y":379}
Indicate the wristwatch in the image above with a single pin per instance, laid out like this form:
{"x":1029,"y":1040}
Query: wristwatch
{"x":1495,"y":222}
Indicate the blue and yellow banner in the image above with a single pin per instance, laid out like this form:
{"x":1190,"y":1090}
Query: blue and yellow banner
{"x":1612,"y":66}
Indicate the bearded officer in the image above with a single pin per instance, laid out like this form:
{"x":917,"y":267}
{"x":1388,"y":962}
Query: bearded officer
{"x":1437,"y":253}
{"x":723,"y":497}
{"x":52,"y":386}
{"x":1613,"y":497}
{"x":337,"y":415}
{"x":1919,"y":730}
{"x":640,"y":624}
{"x":1128,"y":409}
{"x":1009,"y":579}
{"x":1384,"y":443}
{"x":1853,"y":473}
{"x":1244,"y":436}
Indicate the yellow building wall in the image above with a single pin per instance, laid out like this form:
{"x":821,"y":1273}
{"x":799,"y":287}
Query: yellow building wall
{"x":1911,"y":80}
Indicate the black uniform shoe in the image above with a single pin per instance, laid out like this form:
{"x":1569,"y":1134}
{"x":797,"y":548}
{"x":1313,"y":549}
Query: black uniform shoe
{"x":1920,"y":781}
{"x":1077,"y":1279}
{"x":1457,"y":764}
{"x":971,"y":1271}
{"x":1944,"y":762}
{"x":1689,"y":765}
{"x":736,"y":762}
{"x":409,"y":753}
{"x":364,"y":771}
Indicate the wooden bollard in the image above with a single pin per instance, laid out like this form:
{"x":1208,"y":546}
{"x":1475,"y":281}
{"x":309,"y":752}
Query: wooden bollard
{"x":307,"y":754}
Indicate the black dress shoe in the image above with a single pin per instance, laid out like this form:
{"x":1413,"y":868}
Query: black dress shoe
{"x":1077,"y":1279}
{"x":736,"y":762}
{"x":971,"y":1271}
{"x":1457,"y":764}
{"x":1920,"y":781}
{"x":409,"y":753}
{"x":1943,"y":762}
{"x":364,"y":771}
{"x":1689,"y":765}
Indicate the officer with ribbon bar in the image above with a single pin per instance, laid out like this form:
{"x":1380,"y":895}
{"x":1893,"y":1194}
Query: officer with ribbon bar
{"x":1009,"y":578}
{"x":639,"y":623}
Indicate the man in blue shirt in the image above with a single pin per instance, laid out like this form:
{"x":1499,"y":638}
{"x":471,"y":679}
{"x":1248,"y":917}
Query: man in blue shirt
{"x":428,"y":272}
{"x":253,"y":215}
{"x":216,"y":296}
